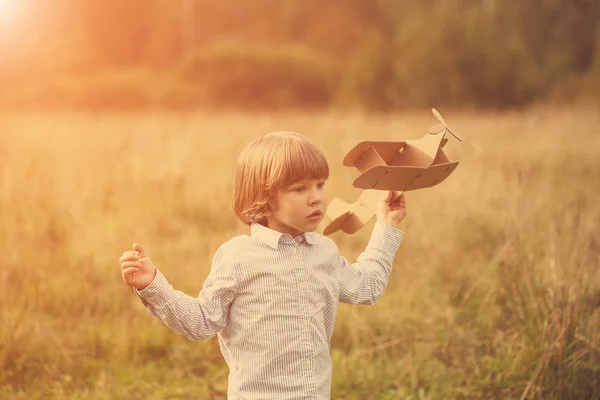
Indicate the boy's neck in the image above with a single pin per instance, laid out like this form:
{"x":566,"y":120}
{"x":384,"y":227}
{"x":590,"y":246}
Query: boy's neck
{"x":265,"y":223}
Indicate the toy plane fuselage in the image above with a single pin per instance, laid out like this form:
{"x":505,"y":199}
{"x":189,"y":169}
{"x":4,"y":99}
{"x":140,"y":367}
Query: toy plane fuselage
{"x":403,"y":166}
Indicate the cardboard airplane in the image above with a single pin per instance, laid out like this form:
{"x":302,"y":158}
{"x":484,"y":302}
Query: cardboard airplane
{"x":396,"y":166}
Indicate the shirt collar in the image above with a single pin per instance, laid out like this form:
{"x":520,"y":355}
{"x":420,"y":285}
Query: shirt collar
{"x":272,"y":237}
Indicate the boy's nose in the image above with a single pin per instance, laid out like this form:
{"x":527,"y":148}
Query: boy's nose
{"x":315,"y":198}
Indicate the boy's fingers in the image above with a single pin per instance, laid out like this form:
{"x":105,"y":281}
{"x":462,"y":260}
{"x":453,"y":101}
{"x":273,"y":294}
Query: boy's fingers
{"x":129,"y":256}
{"x":129,"y":272}
{"x":389,"y":197}
{"x":137,"y":247}
{"x":400,"y":199}
{"x":130,"y":264}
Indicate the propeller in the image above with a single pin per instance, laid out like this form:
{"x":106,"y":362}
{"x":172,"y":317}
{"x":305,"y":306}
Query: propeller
{"x":442,"y":126}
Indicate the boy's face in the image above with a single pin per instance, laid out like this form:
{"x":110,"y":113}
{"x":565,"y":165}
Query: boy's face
{"x":299,"y":207}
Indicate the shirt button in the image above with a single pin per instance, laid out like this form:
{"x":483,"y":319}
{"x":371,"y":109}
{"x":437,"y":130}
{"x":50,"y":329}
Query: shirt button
{"x":305,"y":323}
{"x":307,"y":363}
{"x":302,"y":286}
{"x":295,"y":250}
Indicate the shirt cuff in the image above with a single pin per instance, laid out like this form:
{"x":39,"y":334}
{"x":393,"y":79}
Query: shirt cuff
{"x":158,"y":291}
{"x":386,"y":237}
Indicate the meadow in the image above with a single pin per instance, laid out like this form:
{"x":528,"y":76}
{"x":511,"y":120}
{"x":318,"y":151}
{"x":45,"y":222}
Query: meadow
{"x":495,"y":292}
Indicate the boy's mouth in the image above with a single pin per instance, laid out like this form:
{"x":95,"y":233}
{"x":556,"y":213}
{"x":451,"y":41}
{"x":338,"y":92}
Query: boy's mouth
{"x":316,"y":213}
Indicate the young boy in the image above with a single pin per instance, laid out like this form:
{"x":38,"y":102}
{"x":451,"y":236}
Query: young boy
{"x":272,"y":296}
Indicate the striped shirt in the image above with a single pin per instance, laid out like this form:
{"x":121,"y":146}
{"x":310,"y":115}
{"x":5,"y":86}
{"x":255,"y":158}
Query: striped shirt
{"x":272,"y":300}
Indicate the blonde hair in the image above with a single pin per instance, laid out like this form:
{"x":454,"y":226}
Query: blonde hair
{"x":270,"y":163}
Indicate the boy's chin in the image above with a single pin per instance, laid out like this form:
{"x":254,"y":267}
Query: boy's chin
{"x":312,"y":226}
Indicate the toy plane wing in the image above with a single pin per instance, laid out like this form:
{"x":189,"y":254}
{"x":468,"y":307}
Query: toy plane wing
{"x":403,"y":178}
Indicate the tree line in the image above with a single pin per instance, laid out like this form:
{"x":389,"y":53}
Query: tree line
{"x":373,"y":54}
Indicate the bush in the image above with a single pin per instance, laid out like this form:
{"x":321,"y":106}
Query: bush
{"x":254,"y":77}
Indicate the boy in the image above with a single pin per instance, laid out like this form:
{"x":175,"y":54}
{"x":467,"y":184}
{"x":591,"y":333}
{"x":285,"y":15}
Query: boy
{"x":272,"y":296}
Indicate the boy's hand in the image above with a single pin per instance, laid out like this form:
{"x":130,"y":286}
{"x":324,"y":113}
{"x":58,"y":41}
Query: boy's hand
{"x":136,"y":268}
{"x":391,"y":212}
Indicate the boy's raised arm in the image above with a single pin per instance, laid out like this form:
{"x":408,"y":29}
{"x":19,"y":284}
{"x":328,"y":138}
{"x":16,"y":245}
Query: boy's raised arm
{"x":364,"y":281}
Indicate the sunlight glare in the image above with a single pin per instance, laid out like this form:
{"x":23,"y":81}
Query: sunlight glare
{"x":8,"y":13}
{"x":6,"y":9}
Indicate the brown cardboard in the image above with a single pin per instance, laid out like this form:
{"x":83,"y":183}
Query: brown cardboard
{"x":351,"y":217}
{"x":396,"y":166}
{"x":408,"y":165}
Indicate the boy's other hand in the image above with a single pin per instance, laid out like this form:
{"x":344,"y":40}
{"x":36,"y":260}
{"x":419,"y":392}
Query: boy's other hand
{"x":391,"y":212}
{"x":137,"y":269}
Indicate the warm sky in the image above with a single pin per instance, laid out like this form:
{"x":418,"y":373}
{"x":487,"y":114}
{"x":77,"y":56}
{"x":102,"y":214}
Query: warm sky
{"x":13,"y":18}
{"x":9,"y":11}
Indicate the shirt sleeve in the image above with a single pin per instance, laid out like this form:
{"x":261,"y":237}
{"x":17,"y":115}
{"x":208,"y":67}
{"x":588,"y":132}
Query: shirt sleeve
{"x":197,"y":318}
{"x":364,"y":281}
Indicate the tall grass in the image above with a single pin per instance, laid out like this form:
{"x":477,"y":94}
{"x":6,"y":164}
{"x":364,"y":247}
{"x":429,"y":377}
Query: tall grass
{"x":495,"y":292}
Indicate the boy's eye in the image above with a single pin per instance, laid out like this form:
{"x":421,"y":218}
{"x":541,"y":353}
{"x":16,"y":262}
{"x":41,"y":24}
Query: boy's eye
{"x":321,"y":185}
{"x":299,"y":189}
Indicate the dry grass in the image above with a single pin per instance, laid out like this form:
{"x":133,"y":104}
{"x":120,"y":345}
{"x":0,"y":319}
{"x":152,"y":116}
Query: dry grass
{"x":495,"y":292}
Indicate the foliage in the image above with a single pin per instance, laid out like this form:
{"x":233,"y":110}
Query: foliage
{"x":236,"y":75}
{"x":385,"y":54}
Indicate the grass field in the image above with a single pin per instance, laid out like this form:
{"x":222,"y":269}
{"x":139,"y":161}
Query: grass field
{"x":495,"y":292}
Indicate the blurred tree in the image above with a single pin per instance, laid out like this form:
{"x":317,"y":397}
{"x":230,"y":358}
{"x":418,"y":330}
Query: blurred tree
{"x":387,"y":53}
{"x":560,"y":35}
{"x":117,"y":30}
